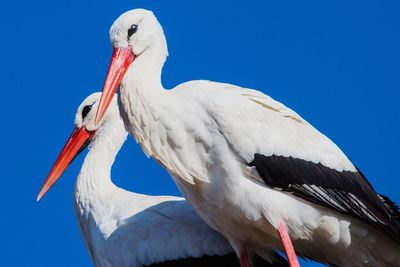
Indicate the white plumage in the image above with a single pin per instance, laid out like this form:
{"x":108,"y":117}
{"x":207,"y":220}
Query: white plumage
{"x":245,"y":162}
{"x":122,"y":228}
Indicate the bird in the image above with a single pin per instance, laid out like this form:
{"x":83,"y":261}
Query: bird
{"x":122,"y":228}
{"x":252,"y":168}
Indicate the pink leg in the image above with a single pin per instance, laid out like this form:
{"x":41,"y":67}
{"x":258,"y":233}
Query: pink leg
{"x":244,"y":259}
{"x":287,"y":245}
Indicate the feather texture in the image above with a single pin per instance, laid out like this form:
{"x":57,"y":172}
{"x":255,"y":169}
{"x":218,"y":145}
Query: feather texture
{"x":206,"y":134}
{"x":122,"y":228}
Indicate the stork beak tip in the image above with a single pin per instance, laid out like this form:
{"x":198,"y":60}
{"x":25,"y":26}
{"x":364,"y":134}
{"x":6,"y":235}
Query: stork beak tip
{"x":39,"y":197}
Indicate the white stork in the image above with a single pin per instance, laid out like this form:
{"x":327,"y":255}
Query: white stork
{"x":126,"y":229}
{"x":252,"y":168}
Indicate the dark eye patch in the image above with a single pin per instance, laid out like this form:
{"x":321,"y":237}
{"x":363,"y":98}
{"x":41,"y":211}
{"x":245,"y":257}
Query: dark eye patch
{"x":86,"y":110}
{"x":132,"y":30}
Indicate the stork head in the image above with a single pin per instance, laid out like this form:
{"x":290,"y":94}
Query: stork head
{"x":86,"y":113}
{"x":84,"y":133}
{"x":132,"y":35}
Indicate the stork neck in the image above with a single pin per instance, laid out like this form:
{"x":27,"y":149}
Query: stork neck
{"x":142,"y":94}
{"x":144,"y":75}
{"x":94,"y":187}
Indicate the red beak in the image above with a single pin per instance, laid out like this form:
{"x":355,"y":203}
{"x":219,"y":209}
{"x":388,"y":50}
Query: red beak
{"x":120,"y":62}
{"x":78,"y":141}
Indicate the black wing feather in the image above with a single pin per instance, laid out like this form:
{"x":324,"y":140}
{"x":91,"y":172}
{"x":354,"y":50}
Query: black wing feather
{"x":345,"y":191}
{"x":229,"y":260}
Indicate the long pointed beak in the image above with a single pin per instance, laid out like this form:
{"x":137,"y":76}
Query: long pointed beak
{"x":77,"y":142}
{"x":120,"y":62}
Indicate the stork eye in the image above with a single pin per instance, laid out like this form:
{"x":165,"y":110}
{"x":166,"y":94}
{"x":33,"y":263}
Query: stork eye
{"x":86,"y":110}
{"x":132,"y":30}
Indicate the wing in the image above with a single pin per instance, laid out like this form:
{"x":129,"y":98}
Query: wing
{"x":346,"y":192}
{"x":291,"y":155}
{"x":230,"y":260}
{"x":226,"y":260}
{"x":170,"y":233}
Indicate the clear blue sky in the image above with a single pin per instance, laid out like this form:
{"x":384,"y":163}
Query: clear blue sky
{"x":334,"y":62}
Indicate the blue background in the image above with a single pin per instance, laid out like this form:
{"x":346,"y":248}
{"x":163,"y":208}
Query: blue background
{"x":334,"y":62}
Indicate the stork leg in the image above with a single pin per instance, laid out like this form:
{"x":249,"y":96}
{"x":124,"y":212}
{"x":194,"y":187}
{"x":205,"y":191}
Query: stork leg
{"x":244,"y":259}
{"x":287,"y":245}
